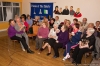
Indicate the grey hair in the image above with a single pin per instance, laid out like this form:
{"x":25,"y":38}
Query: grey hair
{"x":91,"y":30}
{"x":55,"y":25}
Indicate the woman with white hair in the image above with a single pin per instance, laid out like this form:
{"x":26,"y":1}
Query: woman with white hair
{"x":52,"y":37}
{"x":86,"y":44}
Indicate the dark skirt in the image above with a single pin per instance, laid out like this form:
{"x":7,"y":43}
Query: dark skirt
{"x":50,"y":41}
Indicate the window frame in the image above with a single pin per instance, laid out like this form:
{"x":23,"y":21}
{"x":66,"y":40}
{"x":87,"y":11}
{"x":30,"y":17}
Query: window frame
{"x":12,"y":6}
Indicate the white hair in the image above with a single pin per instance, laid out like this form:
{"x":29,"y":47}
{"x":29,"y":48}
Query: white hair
{"x":91,"y":30}
{"x":55,"y":25}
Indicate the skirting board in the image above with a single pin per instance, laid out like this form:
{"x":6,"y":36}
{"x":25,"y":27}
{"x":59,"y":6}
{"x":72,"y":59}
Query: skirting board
{"x":3,"y":30}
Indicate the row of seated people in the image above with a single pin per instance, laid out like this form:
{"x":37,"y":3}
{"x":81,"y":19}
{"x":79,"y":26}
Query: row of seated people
{"x":65,"y":36}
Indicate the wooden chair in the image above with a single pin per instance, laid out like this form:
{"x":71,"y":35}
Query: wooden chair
{"x":35,"y":31}
{"x":10,"y":42}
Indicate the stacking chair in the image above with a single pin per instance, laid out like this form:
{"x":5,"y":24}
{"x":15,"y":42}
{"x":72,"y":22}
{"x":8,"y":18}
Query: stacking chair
{"x":35,"y":31}
{"x":10,"y":42}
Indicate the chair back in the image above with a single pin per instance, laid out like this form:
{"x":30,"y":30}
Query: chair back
{"x":35,"y":30}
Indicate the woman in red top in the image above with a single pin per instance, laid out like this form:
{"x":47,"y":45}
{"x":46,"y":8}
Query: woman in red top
{"x":77,"y":13}
{"x":25,"y":23}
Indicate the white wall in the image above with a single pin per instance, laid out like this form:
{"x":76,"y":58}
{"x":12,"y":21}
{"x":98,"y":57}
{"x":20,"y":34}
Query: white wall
{"x":89,"y":8}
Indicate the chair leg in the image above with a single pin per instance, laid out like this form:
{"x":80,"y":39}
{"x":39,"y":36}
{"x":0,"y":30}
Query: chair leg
{"x":85,"y":59}
{"x":14,"y":45}
{"x":8,"y":45}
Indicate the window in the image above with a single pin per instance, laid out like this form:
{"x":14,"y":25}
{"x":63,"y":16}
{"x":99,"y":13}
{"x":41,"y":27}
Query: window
{"x":0,"y":3}
{"x":8,"y":10}
{"x":1,"y":17}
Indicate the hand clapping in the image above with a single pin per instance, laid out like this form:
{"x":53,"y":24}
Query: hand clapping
{"x":57,"y":31}
{"x":57,"y":41}
{"x":72,"y":33}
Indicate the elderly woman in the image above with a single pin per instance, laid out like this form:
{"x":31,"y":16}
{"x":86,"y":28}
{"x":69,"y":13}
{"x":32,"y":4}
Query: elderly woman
{"x":17,"y":27}
{"x":57,"y":21}
{"x":12,"y":34}
{"x":76,"y":37}
{"x":63,"y":38}
{"x":90,"y":25}
{"x":84,"y":47}
{"x":42,"y":35}
{"x":52,"y":37}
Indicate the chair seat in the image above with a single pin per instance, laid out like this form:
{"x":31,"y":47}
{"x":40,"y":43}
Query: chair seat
{"x":14,"y":40}
{"x":31,"y":35}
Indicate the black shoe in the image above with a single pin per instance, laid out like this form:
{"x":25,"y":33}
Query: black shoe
{"x":41,"y":49}
{"x":48,"y":54}
{"x":76,"y":64}
{"x":55,"y":56}
{"x":73,"y":62}
{"x":30,"y":51}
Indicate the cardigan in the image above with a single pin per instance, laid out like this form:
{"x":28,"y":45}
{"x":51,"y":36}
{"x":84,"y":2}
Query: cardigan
{"x":77,"y":37}
{"x":53,"y":33}
{"x":17,"y":29}
{"x":63,"y":37}
{"x":43,"y":32}
{"x":91,"y":40}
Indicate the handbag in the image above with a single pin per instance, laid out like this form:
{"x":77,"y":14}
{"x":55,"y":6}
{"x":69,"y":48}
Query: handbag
{"x":84,"y":43}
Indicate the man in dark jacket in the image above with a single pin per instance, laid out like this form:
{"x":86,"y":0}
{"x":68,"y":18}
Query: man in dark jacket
{"x":66,"y":11}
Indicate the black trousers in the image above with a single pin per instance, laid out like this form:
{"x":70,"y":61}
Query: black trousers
{"x":50,"y":41}
{"x":56,"y":47}
{"x":22,"y":40}
{"x":78,"y":54}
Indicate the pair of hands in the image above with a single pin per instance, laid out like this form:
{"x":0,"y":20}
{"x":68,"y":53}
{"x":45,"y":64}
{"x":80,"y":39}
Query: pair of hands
{"x":21,"y":28}
{"x":57,"y":41}
{"x":73,"y":34}
{"x":86,"y":46}
{"x":80,"y":45}
{"x":57,"y":31}
{"x":39,"y":36}
{"x":52,"y":36}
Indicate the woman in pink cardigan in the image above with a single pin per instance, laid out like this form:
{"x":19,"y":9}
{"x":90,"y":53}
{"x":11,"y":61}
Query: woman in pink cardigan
{"x":42,"y":35}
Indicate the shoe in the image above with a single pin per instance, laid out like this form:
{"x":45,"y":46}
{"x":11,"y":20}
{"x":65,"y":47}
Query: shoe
{"x":48,"y":54}
{"x":55,"y":56}
{"x":76,"y":64}
{"x":28,"y":46}
{"x":23,"y":49}
{"x":68,"y":56}
{"x":39,"y":53}
{"x":73,"y":62}
{"x":41,"y":49}
{"x":30,"y":51}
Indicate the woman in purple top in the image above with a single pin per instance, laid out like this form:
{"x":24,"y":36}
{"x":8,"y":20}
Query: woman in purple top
{"x":42,"y":35}
{"x":12,"y":34}
{"x":63,"y":38}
